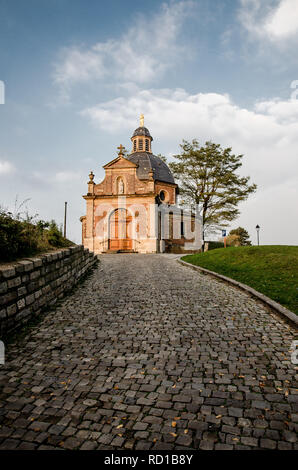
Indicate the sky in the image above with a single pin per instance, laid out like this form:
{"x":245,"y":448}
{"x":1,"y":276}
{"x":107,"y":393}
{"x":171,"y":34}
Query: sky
{"x":75,"y":75}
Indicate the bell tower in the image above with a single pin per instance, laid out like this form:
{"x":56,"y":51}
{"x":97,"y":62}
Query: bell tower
{"x":141,"y":139}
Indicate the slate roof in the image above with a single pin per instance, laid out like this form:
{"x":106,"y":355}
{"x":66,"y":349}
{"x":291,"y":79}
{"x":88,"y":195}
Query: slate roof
{"x":147,"y":161}
{"x":142,"y":131}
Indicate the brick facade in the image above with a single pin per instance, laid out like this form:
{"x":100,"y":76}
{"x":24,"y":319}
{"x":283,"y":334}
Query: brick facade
{"x":137,"y":188}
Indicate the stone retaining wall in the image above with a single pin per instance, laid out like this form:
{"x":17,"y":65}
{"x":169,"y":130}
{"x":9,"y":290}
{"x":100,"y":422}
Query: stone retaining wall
{"x":30,"y":285}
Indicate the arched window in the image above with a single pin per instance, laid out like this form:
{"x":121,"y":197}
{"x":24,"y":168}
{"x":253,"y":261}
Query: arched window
{"x":140,"y":144}
{"x":135,"y":145}
{"x":147,"y":145}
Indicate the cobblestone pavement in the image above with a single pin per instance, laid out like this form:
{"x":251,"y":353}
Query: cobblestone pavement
{"x":149,"y":354}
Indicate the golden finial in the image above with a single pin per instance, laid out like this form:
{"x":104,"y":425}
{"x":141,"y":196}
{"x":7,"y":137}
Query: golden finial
{"x":142,"y":120}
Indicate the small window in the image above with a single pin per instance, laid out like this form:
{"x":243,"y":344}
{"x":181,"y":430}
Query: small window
{"x":140,"y":144}
{"x":147,"y":145}
{"x":162,"y":195}
{"x":135,"y":145}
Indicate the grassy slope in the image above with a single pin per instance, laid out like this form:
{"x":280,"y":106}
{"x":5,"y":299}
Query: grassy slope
{"x":272,"y":270}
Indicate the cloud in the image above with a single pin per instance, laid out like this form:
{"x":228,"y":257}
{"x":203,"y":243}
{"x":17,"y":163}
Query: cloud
{"x":274,"y":209}
{"x":141,"y":55}
{"x":284,"y":112}
{"x":266,"y":134}
{"x":53,"y":180}
{"x":66,"y":176}
{"x":6,"y":167}
{"x":276,"y":21}
{"x":79,"y":66}
{"x":283,"y":22}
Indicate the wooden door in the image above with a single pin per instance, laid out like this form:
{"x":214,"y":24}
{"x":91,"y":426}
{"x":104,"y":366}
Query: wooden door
{"x":120,"y":231}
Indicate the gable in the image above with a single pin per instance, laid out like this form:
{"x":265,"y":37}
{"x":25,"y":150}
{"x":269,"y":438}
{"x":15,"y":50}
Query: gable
{"x":120,"y":162}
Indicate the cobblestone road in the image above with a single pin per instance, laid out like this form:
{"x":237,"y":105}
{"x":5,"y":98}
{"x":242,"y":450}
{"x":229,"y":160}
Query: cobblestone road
{"x":149,"y":354}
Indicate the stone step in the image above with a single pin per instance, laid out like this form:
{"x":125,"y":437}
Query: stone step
{"x":118,"y":251}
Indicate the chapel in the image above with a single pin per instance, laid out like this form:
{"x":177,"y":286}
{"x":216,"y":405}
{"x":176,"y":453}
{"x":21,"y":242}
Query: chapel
{"x":134,"y":209}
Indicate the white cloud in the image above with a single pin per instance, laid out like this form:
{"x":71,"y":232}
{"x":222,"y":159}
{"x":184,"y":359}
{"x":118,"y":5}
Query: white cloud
{"x":271,"y":19}
{"x":79,"y":66}
{"x":285,"y":112}
{"x":283,"y":22}
{"x":141,"y":55}
{"x":274,"y":209}
{"x":6,"y":167}
{"x":66,"y":176}
{"x":267,"y":134}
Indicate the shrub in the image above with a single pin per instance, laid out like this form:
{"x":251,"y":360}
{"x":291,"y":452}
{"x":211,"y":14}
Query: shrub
{"x":233,"y":240}
{"x":21,"y":238}
{"x":10,"y":235}
{"x":54,"y":236}
{"x":213,"y":245}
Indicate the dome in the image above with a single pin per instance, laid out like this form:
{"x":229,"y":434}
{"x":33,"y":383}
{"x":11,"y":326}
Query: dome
{"x":142,"y":131}
{"x":148,"y":162}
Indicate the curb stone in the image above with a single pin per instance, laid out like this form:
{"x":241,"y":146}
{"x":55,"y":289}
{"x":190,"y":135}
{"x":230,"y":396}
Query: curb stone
{"x":284,"y":312}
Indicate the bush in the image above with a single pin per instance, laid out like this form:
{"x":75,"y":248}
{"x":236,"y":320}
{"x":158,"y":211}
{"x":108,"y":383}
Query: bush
{"x":213,"y":245}
{"x":21,"y":238}
{"x":10,"y":235}
{"x":54,"y":236}
{"x":233,"y":240}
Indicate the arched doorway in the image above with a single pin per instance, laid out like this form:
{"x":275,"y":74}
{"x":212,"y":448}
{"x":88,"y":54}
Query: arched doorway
{"x":120,"y":225}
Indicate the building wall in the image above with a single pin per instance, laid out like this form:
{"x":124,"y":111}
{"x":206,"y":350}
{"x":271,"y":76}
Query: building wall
{"x":96,"y":225}
{"x":173,"y":237}
{"x":169,"y":190}
{"x":127,"y":171}
{"x":104,"y":198}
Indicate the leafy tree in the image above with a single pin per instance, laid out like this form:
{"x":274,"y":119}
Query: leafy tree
{"x":207,"y":177}
{"x":242,"y":236}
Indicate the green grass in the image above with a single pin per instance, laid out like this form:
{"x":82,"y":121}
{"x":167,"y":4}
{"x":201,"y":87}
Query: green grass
{"x":271,"y":270}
